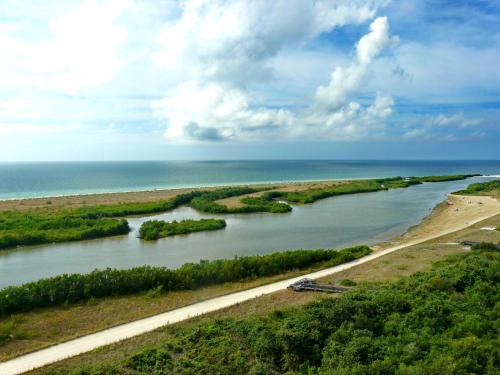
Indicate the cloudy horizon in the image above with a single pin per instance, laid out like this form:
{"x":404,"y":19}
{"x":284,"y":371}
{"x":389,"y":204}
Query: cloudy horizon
{"x":220,"y":79}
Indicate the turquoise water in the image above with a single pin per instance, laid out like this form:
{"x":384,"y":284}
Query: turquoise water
{"x":19,"y":180}
{"x":329,"y":223}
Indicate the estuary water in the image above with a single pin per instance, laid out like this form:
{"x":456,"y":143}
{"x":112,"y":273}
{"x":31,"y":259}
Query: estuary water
{"x":330,"y":223}
{"x":22,"y":180}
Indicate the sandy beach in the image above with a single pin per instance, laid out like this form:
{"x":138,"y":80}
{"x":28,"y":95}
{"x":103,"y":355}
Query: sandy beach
{"x":463,"y":211}
{"x":74,"y":201}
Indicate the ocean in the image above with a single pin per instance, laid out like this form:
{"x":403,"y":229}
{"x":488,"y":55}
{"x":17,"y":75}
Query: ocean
{"x":45,"y":179}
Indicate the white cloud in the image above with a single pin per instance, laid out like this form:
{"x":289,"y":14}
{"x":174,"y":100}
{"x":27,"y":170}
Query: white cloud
{"x":456,"y":119}
{"x":68,"y":52}
{"x":215,"y":112}
{"x":222,"y":49}
{"x":234,"y":40}
{"x":344,"y":81}
{"x":441,"y":126}
{"x":21,"y":129}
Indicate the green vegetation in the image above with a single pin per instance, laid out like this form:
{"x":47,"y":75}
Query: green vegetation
{"x":35,"y":227}
{"x":72,"y":288}
{"x":447,"y":178}
{"x":348,"y":282}
{"x":480,"y":188}
{"x":312,"y":195}
{"x":9,"y":330}
{"x":19,"y":228}
{"x":440,"y":322}
{"x":484,"y":246}
{"x":154,"y":229}
{"x":354,"y":187}
{"x":403,"y":182}
{"x":206,"y":202}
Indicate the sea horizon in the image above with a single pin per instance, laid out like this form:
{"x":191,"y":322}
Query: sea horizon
{"x":43,"y":179}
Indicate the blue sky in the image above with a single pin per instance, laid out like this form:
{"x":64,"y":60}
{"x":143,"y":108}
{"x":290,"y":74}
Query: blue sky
{"x":220,"y":79}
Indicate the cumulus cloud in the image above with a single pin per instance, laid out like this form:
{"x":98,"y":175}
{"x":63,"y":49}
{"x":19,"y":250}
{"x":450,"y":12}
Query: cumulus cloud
{"x":226,"y":47}
{"x":344,"y":81}
{"x":441,"y":126}
{"x":331,"y":113}
{"x":457,"y":119}
{"x":229,"y":40}
{"x":73,"y":50}
{"x":214,"y":112}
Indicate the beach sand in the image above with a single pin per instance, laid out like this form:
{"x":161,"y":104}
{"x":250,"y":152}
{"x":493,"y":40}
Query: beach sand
{"x":74,"y":201}
{"x":444,"y":217}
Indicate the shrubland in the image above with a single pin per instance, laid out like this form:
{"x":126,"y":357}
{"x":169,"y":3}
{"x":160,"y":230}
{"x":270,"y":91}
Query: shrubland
{"x":444,"y":321}
{"x":20,"y":228}
{"x":154,"y":229}
{"x":71,"y":288}
{"x":481,"y":188}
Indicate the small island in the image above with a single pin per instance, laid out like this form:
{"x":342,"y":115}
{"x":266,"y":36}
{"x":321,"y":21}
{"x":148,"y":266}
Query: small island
{"x":155,"y":229}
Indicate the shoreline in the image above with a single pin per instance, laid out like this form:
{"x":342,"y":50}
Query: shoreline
{"x":193,"y":187}
{"x":85,"y":343}
{"x":113,"y":197}
{"x":205,"y":186}
{"x":77,"y":200}
{"x":463,"y":212}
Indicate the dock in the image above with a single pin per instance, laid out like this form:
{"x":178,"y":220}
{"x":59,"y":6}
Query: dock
{"x":310,"y":285}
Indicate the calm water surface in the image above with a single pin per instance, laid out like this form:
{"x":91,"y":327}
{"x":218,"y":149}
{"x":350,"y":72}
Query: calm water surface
{"x":334,"y":222}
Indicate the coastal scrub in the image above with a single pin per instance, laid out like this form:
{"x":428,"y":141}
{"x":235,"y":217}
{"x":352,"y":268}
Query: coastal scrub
{"x":154,"y":229}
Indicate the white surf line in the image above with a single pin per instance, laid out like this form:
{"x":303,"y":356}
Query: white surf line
{"x":109,"y":336}
{"x":488,"y":228}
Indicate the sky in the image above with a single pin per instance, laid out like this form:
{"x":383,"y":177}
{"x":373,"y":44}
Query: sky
{"x":249,"y":79}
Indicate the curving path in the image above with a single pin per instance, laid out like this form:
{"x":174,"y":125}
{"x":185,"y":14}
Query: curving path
{"x":109,"y":336}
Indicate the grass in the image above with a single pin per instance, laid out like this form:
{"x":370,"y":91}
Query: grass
{"x":56,"y":224}
{"x":154,"y":229}
{"x":440,"y":320}
{"x":49,"y":326}
{"x":21,"y":228}
{"x":34,"y":227}
{"x":355,"y":187}
{"x":422,"y":257}
{"x":11,"y":330}
{"x":72,"y":288}
{"x":482,"y":188}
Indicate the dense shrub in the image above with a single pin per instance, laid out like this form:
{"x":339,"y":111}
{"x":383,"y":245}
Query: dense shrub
{"x":312,"y":195}
{"x":112,"y":282}
{"x":485,"y":246}
{"x":440,"y":322}
{"x":154,"y":229}
{"x":32,"y":229}
{"x":446,"y":178}
{"x":481,"y":187}
{"x":19,"y":228}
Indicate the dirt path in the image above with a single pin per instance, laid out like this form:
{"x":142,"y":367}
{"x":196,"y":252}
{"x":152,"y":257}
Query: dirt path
{"x":430,"y":229}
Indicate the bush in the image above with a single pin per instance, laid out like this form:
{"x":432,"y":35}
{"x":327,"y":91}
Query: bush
{"x":348,"y":282}
{"x":23,"y":229}
{"x":484,"y":246}
{"x":481,"y":187}
{"x":73,"y":288}
{"x":20,"y":228}
{"x":154,"y":229}
{"x":408,"y":327}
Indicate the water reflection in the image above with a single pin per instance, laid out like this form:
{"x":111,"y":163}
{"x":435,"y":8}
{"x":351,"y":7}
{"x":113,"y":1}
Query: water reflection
{"x":334,"y":222}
